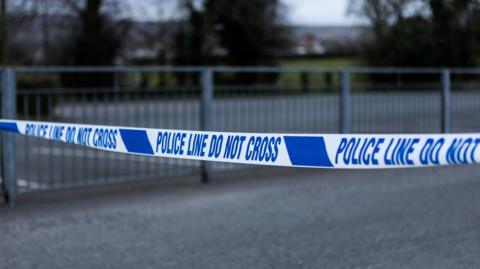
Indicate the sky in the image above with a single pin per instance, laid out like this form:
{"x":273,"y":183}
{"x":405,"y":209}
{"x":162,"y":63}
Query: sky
{"x":319,"y":12}
{"x":299,"y":12}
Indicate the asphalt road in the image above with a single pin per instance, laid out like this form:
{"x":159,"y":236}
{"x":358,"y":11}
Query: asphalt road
{"x":399,"y":112}
{"x":268,"y":218}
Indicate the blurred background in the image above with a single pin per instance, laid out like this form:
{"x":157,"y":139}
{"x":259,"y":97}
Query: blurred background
{"x":413,"y":33}
{"x":304,"y":66}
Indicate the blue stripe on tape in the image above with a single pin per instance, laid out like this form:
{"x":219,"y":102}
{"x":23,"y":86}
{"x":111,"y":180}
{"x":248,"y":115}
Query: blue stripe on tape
{"x":136,"y":141}
{"x":9,"y":126}
{"x":307,"y":151}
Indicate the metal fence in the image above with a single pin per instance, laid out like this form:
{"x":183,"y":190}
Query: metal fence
{"x":262,"y":99}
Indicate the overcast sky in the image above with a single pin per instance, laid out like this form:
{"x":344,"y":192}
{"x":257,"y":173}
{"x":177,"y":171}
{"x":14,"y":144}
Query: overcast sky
{"x":319,"y":12}
{"x":310,"y":12}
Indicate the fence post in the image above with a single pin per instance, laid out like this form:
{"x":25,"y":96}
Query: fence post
{"x":345,"y":102}
{"x":446,"y":82}
{"x":9,"y":111}
{"x":206,"y":121}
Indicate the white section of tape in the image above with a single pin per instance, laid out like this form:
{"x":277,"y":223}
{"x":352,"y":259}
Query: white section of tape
{"x":293,"y":150}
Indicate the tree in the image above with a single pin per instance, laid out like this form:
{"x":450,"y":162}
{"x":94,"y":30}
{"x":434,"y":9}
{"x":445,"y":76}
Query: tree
{"x":401,"y":45}
{"x":421,"y":32}
{"x":455,"y":38}
{"x":233,"y":32}
{"x":13,"y":16}
{"x":191,"y":41}
{"x":251,"y":33}
{"x":245,"y":33}
{"x":96,"y":41}
{"x":3,"y":29}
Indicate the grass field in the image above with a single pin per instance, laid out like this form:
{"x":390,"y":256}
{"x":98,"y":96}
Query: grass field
{"x":293,"y":79}
{"x":155,"y":79}
{"x":320,"y":62}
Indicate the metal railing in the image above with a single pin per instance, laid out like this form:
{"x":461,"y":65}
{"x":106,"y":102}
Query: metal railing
{"x":257,"y":99}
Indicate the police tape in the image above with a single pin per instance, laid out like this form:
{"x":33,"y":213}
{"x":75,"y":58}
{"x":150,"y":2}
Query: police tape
{"x":348,"y":151}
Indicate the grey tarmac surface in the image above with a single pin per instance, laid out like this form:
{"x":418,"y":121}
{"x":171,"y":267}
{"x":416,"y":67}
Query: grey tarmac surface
{"x":262,"y":218}
{"x":391,"y":112}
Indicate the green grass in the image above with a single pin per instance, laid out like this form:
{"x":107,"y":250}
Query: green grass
{"x":320,"y":62}
{"x":293,"y":79}
{"x":154,"y":79}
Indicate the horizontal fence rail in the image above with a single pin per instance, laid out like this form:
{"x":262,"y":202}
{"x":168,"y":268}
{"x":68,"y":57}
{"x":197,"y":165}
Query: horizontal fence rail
{"x":237,"y":99}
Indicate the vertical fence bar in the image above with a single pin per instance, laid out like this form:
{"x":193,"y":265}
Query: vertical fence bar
{"x":345,"y":102}
{"x":446,"y":91}
{"x":116,"y":80}
{"x":9,"y":111}
{"x":206,"y":121}
{"x":304,"y":82}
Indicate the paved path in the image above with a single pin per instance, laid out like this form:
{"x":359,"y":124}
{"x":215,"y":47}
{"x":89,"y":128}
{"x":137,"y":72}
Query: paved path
{"x":268,"y":218}
{"x":397,"y":112}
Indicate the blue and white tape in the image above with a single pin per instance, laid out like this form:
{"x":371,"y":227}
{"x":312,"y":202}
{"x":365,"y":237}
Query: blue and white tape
{"x":292,"y":150}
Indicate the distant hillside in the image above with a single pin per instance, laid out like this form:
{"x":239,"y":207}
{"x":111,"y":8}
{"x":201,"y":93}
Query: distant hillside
{"x":320,"y":40}
{"x":330,"y":33}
